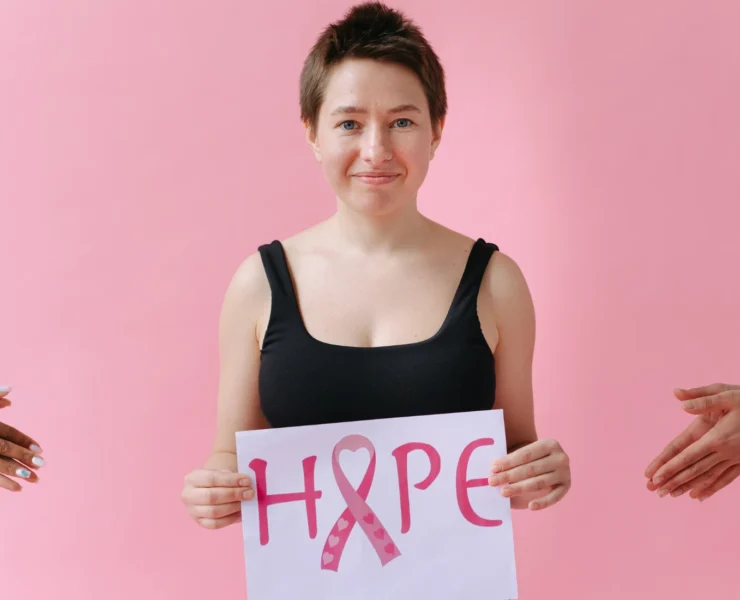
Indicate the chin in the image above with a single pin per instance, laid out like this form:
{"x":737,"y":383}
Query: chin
{"x":375,"y":205}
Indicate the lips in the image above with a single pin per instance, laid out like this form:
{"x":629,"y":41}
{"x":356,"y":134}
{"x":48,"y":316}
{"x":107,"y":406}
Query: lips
{"x":376,"y":178}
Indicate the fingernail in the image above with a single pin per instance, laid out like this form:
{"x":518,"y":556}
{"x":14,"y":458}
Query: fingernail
{"x":658,"y":480}
{"x":25,"y":473}
{"x":662,"y":493}
{"x":677,"y":493}
{"x":38,"y":461}
{"x":248,"y":494}
{"x":244,"y":482}
{"x":35,"y":448}
{"x":496,"y":468}
{"x":506,"y":491}
{"x":4,"y":389}
{"x":493,"y":480}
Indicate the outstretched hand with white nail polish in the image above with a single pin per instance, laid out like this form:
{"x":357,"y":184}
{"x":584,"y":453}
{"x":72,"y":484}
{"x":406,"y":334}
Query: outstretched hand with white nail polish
{"x":19,"y":454}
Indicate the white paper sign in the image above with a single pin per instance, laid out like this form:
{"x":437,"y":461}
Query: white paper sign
{"x":387,"y":509}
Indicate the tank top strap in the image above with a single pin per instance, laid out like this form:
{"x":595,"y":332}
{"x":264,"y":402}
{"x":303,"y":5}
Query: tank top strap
{"x":284,"y":303}
{"x":465,"y":303}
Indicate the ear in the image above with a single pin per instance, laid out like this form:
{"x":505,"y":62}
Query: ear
{"x":437,"y":137}
{"x":312,"y":140}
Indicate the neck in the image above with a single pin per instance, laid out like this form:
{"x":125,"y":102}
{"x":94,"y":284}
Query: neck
{"x":369,"y":234}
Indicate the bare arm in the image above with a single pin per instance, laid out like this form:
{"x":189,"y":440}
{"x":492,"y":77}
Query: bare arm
{"x":238,"y":404}
{"x":536,"y":473}
{"x":507,"y":317}
{"x":213,"y":494}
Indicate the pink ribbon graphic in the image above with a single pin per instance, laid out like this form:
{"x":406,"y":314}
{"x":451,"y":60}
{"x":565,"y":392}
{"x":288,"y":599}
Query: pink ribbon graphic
{"x":357,"y":511}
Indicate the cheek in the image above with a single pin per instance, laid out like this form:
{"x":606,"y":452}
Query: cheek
{"x":416,"y":157}
{"x":337,"y":159}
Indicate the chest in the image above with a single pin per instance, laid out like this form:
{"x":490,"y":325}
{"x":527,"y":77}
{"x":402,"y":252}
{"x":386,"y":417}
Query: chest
{"x":372,"y":304}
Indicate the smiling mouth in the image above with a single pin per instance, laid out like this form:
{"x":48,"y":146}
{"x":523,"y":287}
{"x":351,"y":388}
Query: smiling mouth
{"x":376,"y":178}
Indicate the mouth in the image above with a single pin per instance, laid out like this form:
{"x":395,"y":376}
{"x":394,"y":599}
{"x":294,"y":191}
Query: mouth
{"x":376,"y":178}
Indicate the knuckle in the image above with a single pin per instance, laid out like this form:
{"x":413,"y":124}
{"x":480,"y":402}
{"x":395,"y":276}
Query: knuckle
{"x":530,"y":471}
{"x":4,"y":446}
{"x":527,"y":456}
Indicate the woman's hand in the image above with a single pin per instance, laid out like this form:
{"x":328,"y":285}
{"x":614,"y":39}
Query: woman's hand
{"x":213,"y":497}
{"x":706,"y":457}
{"x":535,"y":476}
{"x":19,"y":454}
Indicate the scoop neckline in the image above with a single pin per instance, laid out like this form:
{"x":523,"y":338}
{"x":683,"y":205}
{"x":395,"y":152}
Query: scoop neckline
{"x":391,"y":347}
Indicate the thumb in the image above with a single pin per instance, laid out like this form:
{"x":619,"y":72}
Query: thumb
{"x":723,"y":401}
{"x":699,"y":392}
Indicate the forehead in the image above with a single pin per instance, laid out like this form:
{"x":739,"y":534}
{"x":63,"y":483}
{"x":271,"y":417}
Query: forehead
{"x":372,"y":84}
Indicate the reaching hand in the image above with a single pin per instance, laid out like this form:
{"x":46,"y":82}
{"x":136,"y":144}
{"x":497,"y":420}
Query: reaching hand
{"x":19,"y":454}
{"x":706,"y":457}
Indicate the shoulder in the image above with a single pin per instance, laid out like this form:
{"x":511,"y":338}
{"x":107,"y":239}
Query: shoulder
{"x":506,"y":296}
{"x":248,"y":290}
{"x":504,"y":279}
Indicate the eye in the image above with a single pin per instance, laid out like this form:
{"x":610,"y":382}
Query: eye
{"x":403,"y":123}
{"x":348,"y":125}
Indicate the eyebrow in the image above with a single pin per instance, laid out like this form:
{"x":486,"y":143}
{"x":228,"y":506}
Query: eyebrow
{"x":354,"y":110}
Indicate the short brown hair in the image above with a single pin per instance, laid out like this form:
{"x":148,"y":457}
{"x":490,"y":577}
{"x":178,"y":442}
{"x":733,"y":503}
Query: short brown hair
{"x":372,"y":30}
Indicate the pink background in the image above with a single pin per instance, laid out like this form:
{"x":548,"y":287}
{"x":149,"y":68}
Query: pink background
{"x":147,"y":147}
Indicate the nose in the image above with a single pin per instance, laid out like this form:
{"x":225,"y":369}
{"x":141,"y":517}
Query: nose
{"x":376,"y":146}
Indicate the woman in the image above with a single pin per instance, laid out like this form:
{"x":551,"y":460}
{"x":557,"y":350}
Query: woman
{"x":377,"y":312}
{"x":19,"y":454}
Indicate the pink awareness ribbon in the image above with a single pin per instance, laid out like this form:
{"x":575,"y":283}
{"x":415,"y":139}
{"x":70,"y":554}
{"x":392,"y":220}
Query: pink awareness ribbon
{"x":357,"y":512}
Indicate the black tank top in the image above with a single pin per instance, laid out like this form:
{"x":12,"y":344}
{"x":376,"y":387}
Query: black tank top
{"x":304,"y":381}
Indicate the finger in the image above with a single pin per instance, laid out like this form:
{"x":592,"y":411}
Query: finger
{"x":214,"y":511}
{"x":722,"y":401}
{"x":220,"y":523}
{"x":9,"y":484}
{"x":210,"y":478}
{"x":556,"y":495}
{"x":694,"y":453}
{"x":4,"y":390}
{"x":28,"y":458}
{"x":698,"y":468}
{"x":210,"y":496}
{"x":4,"y":402}
{"x":703,"y":481}
{"x":723,"y":481}
{"x":698,"y":392}
{"x":13,"y":469}
{"x":536,"y":484}
{"x":522,"y":456}
{"x":21,"y":439}
{"x":678,"y":445}
{"x":528,"y":471}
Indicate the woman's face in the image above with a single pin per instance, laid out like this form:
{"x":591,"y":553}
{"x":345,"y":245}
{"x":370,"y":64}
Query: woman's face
{"x":374,"y":136}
